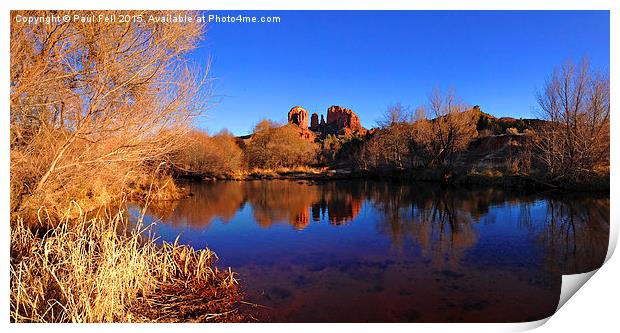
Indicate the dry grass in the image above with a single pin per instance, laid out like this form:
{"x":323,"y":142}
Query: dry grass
{"x":285,"y":172}
{"x":148,"y":188}
{"x":106,"y":269}
{"x":289,"y":170}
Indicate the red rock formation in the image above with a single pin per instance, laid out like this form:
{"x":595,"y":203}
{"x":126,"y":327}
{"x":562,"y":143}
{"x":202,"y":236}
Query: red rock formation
{"x":343,"y":121}
{"x":314,"y":122}
{"x":306,"y":134}
{"x":340,"y":121}
{"x":299,"y":117}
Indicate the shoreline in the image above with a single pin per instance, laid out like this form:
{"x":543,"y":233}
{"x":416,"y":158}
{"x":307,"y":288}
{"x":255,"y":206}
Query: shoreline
{"x":599,"y":184}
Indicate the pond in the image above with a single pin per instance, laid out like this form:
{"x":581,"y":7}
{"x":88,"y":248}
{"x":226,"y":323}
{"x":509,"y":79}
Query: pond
{"x":377,"y":251}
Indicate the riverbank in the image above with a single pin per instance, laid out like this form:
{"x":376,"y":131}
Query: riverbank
{"x":595,"y":183}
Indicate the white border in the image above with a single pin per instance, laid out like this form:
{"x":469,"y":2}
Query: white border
{"x":319,"y":4}
{"x":594,"y":308}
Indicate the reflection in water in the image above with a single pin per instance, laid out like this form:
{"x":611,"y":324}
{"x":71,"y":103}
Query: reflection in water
{"x":572,"y":241}
{"x":218,"y":200}
{"x":296,"y":203}
{"x":433,"y":219}
{"x":381,"y":251}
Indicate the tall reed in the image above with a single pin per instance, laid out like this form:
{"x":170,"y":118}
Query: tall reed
{"x":108,"y":269}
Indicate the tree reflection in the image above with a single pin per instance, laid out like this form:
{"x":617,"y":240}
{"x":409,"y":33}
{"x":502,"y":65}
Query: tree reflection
{"x":281,"y":201}
{"x":575,"y":234}
{"x":221,"y":200}
{"x":300,"y":202}
{"x":441,"y":222}
{"x":271,"y":202}
{"x":574,"y":231}
{"x":434,"y":219}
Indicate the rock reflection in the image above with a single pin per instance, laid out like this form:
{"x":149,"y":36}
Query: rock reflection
{"x":295,"y":203}
{"x":339,"y":203}
{"x":441,"y":222}
{"x":299,"y":203}
{"x":281,"y":201}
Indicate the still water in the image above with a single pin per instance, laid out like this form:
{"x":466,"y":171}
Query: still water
{"x":371,"y":251}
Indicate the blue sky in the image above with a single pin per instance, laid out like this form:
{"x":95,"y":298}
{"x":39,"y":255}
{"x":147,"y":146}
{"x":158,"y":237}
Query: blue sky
{"x":367,"y":60}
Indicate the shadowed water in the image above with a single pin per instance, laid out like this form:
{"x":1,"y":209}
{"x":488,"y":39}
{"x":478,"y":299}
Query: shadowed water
{"x":358,"y":251}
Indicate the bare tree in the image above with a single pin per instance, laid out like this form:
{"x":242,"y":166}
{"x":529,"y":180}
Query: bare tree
{"x":92,"y":102}
{"x":388,"y":148}
{"x":420,"y":141}
{"x":394,"y":115}
{"x":419,"y":114}
{"x":448,"y":133}
{"x":575,"y":140}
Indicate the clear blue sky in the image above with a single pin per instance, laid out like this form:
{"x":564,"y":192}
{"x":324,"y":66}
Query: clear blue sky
{"x":367,"y":60}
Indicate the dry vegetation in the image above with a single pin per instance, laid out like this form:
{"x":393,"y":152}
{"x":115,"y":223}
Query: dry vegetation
{"x":103,"y":269}
{"x":568,"y":148}
{"x":93,"y":104}
{"x":575,"y":143}
{"x":274,"y":146}
{"x":420,"y":141}
{"x":209,"y":155}
{"x":272,"y":149}
{"x":97,"y":109}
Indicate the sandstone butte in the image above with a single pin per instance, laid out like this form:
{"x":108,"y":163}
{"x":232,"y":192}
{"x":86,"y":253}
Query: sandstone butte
{"x":340,"y":121}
